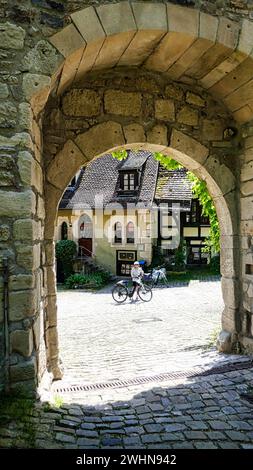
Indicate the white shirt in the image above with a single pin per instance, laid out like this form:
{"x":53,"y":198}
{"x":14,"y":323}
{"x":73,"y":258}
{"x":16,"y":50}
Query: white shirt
{"x":136,"y":273}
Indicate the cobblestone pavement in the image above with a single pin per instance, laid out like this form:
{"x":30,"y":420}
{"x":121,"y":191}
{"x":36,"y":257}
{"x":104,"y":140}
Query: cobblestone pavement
{"x":103,"y":341}
{"x":201,"y":412}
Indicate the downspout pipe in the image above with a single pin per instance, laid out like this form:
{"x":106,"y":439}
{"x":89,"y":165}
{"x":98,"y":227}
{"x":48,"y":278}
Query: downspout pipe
{"x":6,"y":324}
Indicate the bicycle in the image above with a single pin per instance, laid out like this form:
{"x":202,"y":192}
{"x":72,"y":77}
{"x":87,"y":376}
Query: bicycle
{"x":121,"y":292}
{"x":156,"y":276}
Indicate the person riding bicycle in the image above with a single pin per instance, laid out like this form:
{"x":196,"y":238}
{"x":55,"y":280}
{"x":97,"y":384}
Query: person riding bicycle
{"x":136,"y":274}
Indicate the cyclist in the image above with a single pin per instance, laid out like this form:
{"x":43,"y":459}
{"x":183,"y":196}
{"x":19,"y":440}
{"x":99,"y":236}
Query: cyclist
{"x":136,"y":274}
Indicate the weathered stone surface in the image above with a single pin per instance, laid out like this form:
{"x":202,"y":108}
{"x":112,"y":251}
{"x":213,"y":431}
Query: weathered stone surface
{"x":4,"y":91}
{"x":188,"y":115}
{"x":22,"y":342}
{"x":28,"y":257}
{"x":22,"y":140}
{"x":158,"y":135}
{"x":175,"y":92}
{"x":91,"y":143}
{"x":25,"y":117}
{"x":150,"y":15}
{"x":247,"y":171}
{"x":4,"y":233}
{"x":122,"y":103}
{"x":192,"y":98}
{"x":134,"y":133}
{"x":7,"y":171}
{"x":247,"y":208}
{"x":165,"y":110}
{"x":81,"y":102}
{"x":111,"y":17}
{"x":14,"y":204}
{"x":68,"y":40}
{"x":22,"y":305}
{"x":183,"y":20}
{"x":11,"y":36}
{"x":33,"y":84}
{"x":212,"y":129}
{"x":208,"y":26}
{"x":247,"y":188}
{"x":8,"y":114}
{"x":42,"y":59}
{"x":24,"y":371}
{"x":224,"y":343}
{"x":189,"y":146}
{"x":21,"y":282}
{"x":27,"y":229}
{"x":30,"y":171}
{"x":65,"y":164}
{"x":87,"y":22}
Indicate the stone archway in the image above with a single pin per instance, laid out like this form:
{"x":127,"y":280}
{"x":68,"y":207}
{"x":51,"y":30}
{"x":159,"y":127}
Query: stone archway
{"x":171,"y":44}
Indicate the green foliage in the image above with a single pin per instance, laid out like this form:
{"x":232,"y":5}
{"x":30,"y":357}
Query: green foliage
{"x":215,"y":264}
{"x":180,"y":256}
{"x":200,"y":191}
{"x":96,"y":280}
{"x":17,"y":412}
{"x":65,"y":251}
{"x":120,"y":154}
{"x":167,"y":162}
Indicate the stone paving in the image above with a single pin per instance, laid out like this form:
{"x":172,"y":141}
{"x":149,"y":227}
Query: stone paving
{"x":208,"y":412}
{"x":103,"y":341}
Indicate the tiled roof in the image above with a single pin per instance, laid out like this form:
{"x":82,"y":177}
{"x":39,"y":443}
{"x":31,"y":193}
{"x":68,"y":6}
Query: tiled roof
{"x":99,"y":182}
{"x":173,"y":185}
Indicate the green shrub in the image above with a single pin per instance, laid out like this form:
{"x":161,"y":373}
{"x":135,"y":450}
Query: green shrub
{"x":180,"y":256}
{"x":65,"y":250}
{"x":215,"y":264}
{"x":98,"y":279}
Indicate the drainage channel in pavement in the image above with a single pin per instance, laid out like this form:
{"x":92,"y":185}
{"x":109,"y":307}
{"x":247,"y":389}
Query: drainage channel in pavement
{"x":196,"y":372}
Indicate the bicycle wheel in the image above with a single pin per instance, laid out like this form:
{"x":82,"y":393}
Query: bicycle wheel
{"x":119,"y":294}
{"x":145,"y":293}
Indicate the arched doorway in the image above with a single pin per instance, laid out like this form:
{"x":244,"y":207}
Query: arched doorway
{"x":195,"y":59}
{"x":85,"y":243}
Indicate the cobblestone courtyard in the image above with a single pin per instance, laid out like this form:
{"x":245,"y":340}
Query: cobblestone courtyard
{"x":103,"y":341}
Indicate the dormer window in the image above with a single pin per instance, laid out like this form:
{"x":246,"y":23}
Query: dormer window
{"x":129,"y":181}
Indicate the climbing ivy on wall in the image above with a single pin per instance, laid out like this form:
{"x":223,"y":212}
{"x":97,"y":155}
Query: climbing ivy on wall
{"x":200,"y":191}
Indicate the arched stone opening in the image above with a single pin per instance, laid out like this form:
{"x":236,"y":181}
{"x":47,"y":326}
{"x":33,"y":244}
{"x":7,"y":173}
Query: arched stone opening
{"x":187,"y":48}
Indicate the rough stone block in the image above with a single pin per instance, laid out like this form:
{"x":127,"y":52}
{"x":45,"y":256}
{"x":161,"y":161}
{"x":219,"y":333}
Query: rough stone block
{"x":158,"y":135}
{"x":11,"y":36}
{"x":34,"y":83}
{"x":194,"y":99}
{"x":122,"y":103}
{"x":134,"y":133}
{"x":165,"y":110}
{"x":230,"y":292}
{"x":8,"y":114}
{"x":141,"y":46}
{"x":150,"y":15}
{"x":188,"y":115}
{"x":22,"y":304}
{"x":17,"y":204}
{"x":23,"y":371}
{"x":247,"y":208}
{"x":116,"y":18}
{"x":30,"y":171}
{"x":28,"y":257}
{"x":5,"y":233}
{"x":183,"y":20}
{"x":91,"y":143}
{"x":189,"y":146}
{"x":228,"y":32}
{"x":174,"y":91}
{"x":21,"y":282}
{"x":65,"y":164}
{"x":27,"y":229}
{"x":4,"y":91}
{"x":68,"y":40}
{"x":247,"y":171}
{"x":212,"y":129}
{"x":247,"y":188}
{"x":224,"y":342}
{"x":43,"y":58}
{"x":88,"y":24}
{"x":113,"y":48}
{"x":208,"y":26}
{"x":25,"y":116}
{"x":21,"y":341}
{"x":81,"y":102}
